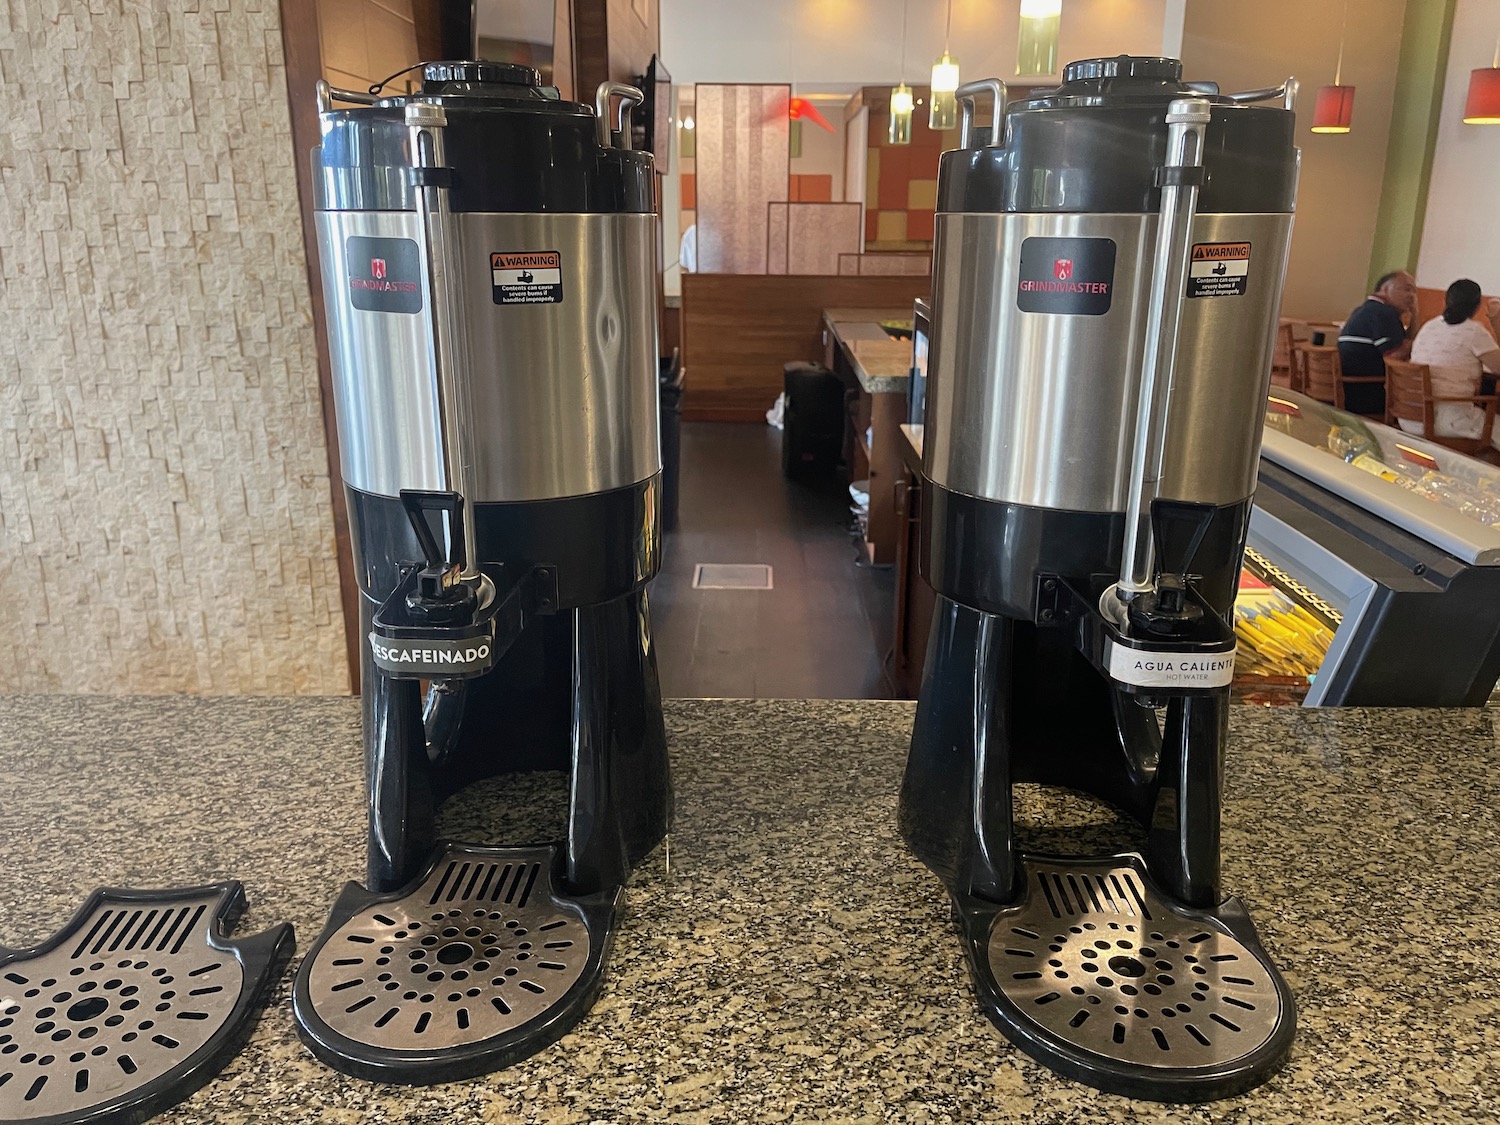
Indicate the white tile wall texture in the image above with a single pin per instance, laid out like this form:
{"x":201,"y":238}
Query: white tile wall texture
{"x":165,"y":522}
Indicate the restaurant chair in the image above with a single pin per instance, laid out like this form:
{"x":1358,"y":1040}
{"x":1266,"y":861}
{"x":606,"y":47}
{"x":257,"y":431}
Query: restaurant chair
{"x":1317,"y":374}
{"x":1281,"y":358}
{"x":1408,"y":395}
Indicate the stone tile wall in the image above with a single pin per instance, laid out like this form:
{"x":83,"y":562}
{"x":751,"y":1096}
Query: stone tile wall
{"x":165,"y":521}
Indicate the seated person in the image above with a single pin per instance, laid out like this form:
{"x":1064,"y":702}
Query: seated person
{"x":1373,"y":331}
{"x":1457,"y":350}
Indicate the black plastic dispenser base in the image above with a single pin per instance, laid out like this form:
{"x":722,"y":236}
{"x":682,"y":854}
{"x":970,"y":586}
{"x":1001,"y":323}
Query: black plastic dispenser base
{"x":479,"y":963}
{"x":460,"y":958}
{"x":138,"y":1001}
{"x":1130,"y":971}
{"x":1096,"y":975}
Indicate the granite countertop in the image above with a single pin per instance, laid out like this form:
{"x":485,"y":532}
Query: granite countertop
{"x":881,"y":364}
{"x":796,"y":964}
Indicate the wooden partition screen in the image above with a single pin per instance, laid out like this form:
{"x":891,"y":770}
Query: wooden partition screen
{"x":1430,"y":303}
{"x":738,"y":330}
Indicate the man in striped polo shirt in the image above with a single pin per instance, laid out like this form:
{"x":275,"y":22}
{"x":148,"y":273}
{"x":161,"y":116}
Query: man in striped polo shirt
{"x":1378,"y":328}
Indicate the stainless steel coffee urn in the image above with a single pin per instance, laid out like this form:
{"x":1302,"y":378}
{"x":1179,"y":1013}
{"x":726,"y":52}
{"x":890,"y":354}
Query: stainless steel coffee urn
{"x":488,"y":260}
{"x":1107,"y":271}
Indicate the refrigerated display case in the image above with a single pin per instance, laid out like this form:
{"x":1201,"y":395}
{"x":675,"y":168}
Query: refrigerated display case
{"x":1372,"y":575}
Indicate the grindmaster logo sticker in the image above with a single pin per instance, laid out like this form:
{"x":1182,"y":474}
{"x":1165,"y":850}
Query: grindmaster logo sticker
{"x":1066,"y":275}
{"x":527,"y":277}
{"x":384,"y":274}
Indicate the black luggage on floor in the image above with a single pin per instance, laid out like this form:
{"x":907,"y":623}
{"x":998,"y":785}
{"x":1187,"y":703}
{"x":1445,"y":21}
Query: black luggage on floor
{"x":812,"y":435}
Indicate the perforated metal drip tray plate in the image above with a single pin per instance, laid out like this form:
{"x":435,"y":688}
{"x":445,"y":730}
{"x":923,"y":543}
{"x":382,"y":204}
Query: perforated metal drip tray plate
{"x":132,"y":1006}
{"x":1099,"y":975}
{"x":477,"y":964}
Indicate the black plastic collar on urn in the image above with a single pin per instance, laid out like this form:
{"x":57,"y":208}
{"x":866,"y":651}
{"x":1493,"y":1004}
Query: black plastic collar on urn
{"x":512,"y":143}
{"x":1094,"y":144}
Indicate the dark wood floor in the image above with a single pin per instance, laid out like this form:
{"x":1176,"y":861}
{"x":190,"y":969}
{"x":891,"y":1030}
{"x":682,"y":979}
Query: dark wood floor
{"x":820,"y":633}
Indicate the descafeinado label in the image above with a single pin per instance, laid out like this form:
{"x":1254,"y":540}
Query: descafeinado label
{"x":428,"y":655}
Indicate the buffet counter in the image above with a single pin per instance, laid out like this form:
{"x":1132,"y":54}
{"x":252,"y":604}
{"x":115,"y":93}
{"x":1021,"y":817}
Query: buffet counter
{"x":794,"y":963}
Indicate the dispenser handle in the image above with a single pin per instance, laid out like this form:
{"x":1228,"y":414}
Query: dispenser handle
{"x":966,"y":95}
{"x":327,"y":95}
{"x":1287,"y":92}
{"x":629,"y":96}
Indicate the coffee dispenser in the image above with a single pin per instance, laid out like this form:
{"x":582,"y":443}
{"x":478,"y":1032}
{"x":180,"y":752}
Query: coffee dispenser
{"x":1107,"y":270}
{"x":488,"y":261}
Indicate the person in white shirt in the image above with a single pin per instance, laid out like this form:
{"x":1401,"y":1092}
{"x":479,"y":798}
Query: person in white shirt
{"x":1458,"y":350}
{"x":687,"y":253}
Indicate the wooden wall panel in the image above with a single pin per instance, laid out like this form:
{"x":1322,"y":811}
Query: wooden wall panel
{"x":738,"y":330}
{"x":613,"y":40}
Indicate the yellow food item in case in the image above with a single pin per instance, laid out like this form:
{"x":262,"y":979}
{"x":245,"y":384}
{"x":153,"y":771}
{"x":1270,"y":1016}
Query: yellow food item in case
{"x":1277,"y":637}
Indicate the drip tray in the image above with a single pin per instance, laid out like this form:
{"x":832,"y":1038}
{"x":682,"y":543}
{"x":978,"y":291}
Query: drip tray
{"x":1096,"y":974}
{"x":133,"y":1006}
{"x":479,"y":963}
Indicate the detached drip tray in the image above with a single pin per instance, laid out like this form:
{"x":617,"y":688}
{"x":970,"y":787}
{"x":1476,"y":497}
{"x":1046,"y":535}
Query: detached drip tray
{"x":135,"y":1004}
{"x":1099,"y":976}
{"x":479,"y":963}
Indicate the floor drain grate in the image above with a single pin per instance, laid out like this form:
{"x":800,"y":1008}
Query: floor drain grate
{"x":732,"y":576}
{"x":132,"y":1007}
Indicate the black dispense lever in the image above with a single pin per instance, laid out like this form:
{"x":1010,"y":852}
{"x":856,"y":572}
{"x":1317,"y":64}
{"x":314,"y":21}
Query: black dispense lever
{"x":1170,"y":608}
{"x":440,"y":596}
{"x":439,"y":625}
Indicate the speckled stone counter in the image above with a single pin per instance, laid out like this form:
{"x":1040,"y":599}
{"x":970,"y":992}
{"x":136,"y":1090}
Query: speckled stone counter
{"x":796,"y":964}
{"x":881,"y":364}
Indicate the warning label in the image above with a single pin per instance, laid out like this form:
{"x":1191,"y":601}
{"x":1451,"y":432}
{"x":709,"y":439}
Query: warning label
{"x":1219,"y":269}
{"x":527,"y":277}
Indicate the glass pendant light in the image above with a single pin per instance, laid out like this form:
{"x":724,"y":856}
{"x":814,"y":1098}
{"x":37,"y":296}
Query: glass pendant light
{"x":901,"y":95}
{"x":1483,"y":104}
{"x":1334,"y":110}
{"x":901,"y":107}
{"x":942,"y":112}
{"x":1036,"y":45}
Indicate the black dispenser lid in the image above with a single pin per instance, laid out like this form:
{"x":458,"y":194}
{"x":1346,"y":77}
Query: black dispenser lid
{"x":1123,"y":66}
{"x":513,"y":146}
{"x":1094,"y":144}
{"x":446,"y":78}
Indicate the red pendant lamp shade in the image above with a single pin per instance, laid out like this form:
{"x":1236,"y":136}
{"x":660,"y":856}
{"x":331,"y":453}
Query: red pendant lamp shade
{"x":1483,"y":105}
{"x":1334,"y":109}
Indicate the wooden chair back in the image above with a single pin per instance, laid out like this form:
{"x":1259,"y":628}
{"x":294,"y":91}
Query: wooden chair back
{"x":1408,"y":394}
{"x":1316,"y":373}
{"x":1281,"y":358}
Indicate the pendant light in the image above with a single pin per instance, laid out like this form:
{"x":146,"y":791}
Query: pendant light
{"x":901,"y":95}
{"x":1483,"y":104}
{"x":942,"y":113}
{"x":1036,"y":45}
{"x":1334,"y":109}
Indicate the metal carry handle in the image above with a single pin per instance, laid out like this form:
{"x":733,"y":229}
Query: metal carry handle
{"x":1287,"y":92}
{"x":327,"y":95}
{"x":629,"y":96}
{"x":966,"y":95}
